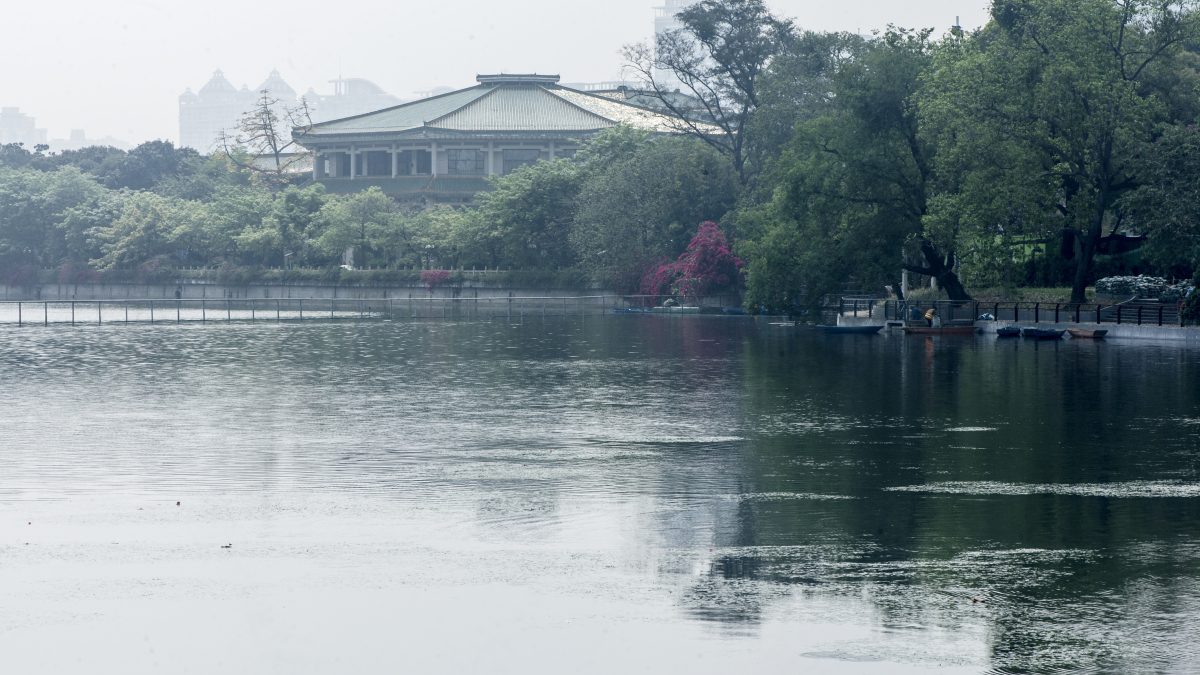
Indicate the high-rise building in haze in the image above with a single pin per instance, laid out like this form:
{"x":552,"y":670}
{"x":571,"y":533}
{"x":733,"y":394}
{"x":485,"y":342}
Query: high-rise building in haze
{"x":218,"y":106}
{"x":17,"y":127}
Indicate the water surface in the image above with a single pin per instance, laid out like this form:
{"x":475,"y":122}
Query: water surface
{"x":627,"y":493}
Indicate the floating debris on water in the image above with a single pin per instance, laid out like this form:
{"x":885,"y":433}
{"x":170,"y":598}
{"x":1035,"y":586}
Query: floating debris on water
{"x":1141,"y":488}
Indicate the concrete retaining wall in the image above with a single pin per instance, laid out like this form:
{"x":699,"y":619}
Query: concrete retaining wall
{"x":1189,"y":334}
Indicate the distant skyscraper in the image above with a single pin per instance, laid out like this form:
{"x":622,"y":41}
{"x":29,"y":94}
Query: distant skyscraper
{"x":664,"y":20}
{"x":664,"y":16}
{"x":219,"y":105}
{"x":17,"y":127}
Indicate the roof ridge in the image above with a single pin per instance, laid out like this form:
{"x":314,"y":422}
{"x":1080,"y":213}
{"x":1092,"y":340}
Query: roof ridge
{"x":461,"y":107}
{"x":402,"y":105}
{"x":576,"y":105}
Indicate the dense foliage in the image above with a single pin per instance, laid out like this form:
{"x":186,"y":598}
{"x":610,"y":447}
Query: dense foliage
{"x":627,"y":201}
{"x":1053,"y":146}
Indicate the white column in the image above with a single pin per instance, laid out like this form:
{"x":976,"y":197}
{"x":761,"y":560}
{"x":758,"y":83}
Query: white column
{"x":433,"y":158}
{"x":491,"y":167}
{"x":395,"y":160}
{"x":551,"y":151}
{"x":353,"y":162}
{"x":412,"y":162}
{"x":317,"y":160}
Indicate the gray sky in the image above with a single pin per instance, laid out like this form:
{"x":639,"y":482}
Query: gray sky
{"x":117,"y":67}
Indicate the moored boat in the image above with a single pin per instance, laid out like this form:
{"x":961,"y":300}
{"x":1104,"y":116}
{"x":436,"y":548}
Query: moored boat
{"x":844,"y":330}
{"x":941,"y":330}
{"x":1049,"y":333}
{"x":1010,"y":331}
{"x":1085,"y":333}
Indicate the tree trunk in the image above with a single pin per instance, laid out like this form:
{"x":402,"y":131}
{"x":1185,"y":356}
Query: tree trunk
{"x":1083,"y":266}
{"x":944,"y":271}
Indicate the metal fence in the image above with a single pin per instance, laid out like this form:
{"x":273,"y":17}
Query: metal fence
{"x":1154,"y":314}
{"x":27,"y":312}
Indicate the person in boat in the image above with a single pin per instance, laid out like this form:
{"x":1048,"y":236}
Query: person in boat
{"x":935,"y":321}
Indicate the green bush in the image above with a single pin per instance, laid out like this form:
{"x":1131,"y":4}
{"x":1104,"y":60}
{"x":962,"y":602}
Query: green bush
{"x":1189,"y":310}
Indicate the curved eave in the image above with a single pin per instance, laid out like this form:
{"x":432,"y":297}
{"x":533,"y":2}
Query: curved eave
{"x":435,"y":133}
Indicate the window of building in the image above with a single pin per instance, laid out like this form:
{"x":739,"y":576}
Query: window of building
{"x":345,"y":165}
{"x":404,"y":163}
{"x":424,"y":162}
{"x":464,"y":162}
{"x":514,"y":159}
{"x":379,"y":163}
{"x":565,"y":154}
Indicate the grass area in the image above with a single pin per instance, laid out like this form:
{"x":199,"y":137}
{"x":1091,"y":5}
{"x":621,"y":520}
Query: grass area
{"x":1001,"y":294}
{"x":1031,"y":294}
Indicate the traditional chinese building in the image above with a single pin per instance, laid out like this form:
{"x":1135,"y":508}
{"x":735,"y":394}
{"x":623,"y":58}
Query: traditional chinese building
{"x":437,"y":150}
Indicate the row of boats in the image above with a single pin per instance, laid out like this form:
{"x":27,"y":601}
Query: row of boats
{"x":1006,"y":332}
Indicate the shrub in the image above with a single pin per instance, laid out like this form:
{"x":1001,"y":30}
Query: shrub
{"x":432,"y":278}
{"x":73,"y":273}
{"x":706,"y":267}
{"x":26,"y":275}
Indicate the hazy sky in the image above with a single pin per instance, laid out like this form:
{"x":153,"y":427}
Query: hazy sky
{"x":118,"y":66}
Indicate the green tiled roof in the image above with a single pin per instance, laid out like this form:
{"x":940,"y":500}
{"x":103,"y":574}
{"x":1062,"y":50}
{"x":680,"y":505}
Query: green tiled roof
{"x":520,"y":108}
{"x":509,"y":106}
{"x":405,"y":116}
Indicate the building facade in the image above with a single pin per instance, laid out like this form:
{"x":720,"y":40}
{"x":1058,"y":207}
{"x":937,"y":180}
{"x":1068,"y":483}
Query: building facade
{"x":439,"y":149}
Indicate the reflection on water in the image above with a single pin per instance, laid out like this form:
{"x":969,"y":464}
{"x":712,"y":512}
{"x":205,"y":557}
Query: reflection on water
{"x":1013,"y":505}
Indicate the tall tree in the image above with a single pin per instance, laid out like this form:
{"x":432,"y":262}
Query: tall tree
{"x":853,"y":186}
{"x":268,"y":139}
{"x":1065,"y":87}
{"x":635,"y":211}
{"x":716,"y":61}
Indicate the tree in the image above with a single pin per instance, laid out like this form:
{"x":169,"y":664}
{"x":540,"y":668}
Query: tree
{"x":33,"y":204}
{"x":853,"y":186}
{"x":1166,"y":206}
{"x":717,"y":59}
{"x":635,"y":211}
{"x":267,"y":142}
{"x":529,"y":213}
{"x":797,"y":86}
{"x":1065,"y":87}
{"x":146,"y":165}
{"x":142,"y":232}
{"x":359,"y":221}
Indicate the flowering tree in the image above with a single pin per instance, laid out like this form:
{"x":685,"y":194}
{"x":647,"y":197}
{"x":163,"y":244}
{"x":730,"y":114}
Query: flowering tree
{"x":707,"y":266}
{"x":432,"y":278}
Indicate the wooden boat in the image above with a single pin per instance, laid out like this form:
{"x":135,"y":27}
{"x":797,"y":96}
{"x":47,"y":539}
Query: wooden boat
{"x":1010,"y":331}
{"x":851,"y":330}
{"x":1085,"y":333}
{"x":1042,"y":333}
{"x":942,"y":330}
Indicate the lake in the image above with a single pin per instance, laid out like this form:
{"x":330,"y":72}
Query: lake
{"x":609,"y":494}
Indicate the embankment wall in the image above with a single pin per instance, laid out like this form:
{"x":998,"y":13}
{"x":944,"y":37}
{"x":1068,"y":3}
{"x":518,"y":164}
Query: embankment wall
{"x":1188,"y":334}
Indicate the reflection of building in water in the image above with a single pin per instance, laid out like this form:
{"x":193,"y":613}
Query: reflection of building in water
{"x":438,"y":149}
{"x":17,"y":127}
{"x":219,"y":105}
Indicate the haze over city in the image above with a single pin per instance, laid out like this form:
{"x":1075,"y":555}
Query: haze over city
{"x":117,"y":69}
